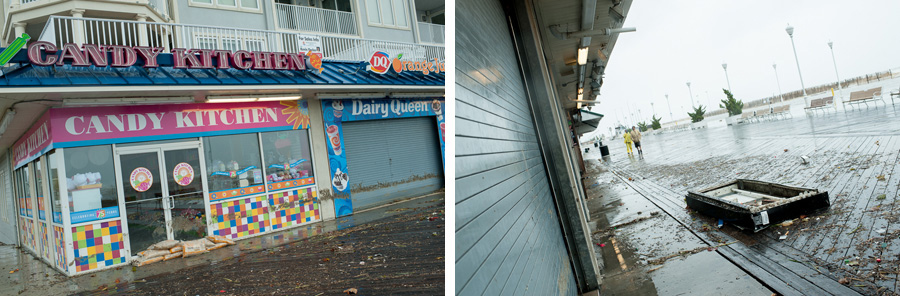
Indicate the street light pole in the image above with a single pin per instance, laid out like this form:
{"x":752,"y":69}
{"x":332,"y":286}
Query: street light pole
{"x":725,"y":67}
{"x":652,"y":109}
{"x":790,"y":31}
{"x":672,"y":117}
{"x":691,"y":93}
{"x":777,"y":81}
{"x":840,"y":89}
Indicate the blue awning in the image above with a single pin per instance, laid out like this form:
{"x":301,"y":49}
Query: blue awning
{"x":335,"y":73}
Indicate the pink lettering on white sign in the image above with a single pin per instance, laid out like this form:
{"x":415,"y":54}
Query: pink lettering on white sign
{"x":34,"y":142}
{"x":70,"y":127}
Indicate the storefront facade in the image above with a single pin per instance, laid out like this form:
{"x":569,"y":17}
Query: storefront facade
{"x":95,"y":185}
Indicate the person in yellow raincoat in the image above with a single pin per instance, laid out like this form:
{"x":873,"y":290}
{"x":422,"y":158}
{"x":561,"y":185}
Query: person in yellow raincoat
{"x":627,"y":137}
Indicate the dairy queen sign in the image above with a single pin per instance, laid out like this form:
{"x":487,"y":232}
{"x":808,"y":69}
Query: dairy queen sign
{"x":381,"y":62}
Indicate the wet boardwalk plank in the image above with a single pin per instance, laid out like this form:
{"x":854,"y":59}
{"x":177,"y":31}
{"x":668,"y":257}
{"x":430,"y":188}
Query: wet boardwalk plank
{"x":835,"y":142}
{"x":771,"y":267}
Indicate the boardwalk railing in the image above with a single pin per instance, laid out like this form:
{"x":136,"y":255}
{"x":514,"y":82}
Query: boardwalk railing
{"x":431,"y":33}
{"x":60,"y":30}
{"x":311,"y":19}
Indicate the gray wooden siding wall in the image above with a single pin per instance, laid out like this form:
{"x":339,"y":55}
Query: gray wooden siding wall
{"x":508,"y":236}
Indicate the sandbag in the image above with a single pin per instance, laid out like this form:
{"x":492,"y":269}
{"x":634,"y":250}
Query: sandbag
{"x":208,"y":244}
{"x":194,"y":247}
{"x":145,"y":261}
{"x":220,"y":239}
{"x":173,"y":256}
{"x":148,"y":254}
{"x":217,"y":246}
{"x":164,"y":245}
{"x":176,"y":249}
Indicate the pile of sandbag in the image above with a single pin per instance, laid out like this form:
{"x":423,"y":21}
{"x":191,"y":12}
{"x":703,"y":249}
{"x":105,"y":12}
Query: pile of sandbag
{"x":171,"y":249}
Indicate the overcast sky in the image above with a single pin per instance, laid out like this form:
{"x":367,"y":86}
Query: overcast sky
{"x":681,"y":41}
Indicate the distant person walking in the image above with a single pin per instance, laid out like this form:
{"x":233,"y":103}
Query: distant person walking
{"x":636,"y":137}
{"x":627,"y":137}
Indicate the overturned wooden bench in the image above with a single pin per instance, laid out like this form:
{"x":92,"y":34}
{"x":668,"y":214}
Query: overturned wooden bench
{"x":866,"y":96}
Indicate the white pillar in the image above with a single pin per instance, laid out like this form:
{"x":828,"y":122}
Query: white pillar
{"x":19,"y":30}
{"x":142,"y":30}
{"x":77,"y":26}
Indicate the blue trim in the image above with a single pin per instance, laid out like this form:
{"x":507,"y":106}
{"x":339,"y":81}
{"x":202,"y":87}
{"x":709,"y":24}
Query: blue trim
{"x":169,"y":137}
{"x":22,"y":73}
{"x":31,"y":158}
{"x":91,"y":215}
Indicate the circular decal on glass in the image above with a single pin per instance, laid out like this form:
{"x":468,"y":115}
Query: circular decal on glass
{"x":141,"y":179}
{"x":184,"y":174}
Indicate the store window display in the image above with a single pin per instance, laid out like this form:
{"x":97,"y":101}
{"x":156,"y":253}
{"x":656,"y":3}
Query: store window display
{"x":52,"y":176}
{"x":287,"y":156}
{"x":90,"y":183}
{"x":233,"y":161}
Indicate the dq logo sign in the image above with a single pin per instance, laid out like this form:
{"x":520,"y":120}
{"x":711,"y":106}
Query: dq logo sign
{"x":380,"y":62}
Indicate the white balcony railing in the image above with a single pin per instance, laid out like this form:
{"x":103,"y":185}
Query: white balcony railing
{"x":431,"y":33}
{"x":311,"y":19}
{"x":60,"y":30}
{"x":161,"y":6}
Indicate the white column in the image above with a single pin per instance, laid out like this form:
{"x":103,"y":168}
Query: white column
{"x":142,"y":30}
{"x":19,"y":30}
{"x":77,"y":26}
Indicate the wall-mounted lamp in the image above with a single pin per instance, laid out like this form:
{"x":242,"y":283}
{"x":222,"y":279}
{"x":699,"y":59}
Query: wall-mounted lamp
{"x":582,"y":55}
{"x":236,"y":99}
{"x":126,"y":101}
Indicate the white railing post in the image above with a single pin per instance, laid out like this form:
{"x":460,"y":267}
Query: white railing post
{"x":19,"y":30}
{"x":142,"y":29}
{"x":77,"y":26}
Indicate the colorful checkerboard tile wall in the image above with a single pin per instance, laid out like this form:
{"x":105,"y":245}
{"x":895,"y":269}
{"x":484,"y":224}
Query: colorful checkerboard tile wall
{"x":98,"y":245}
{"x":44,"y":240}
{"x":293,"y":207}
{"x":240,"y":217}
{"x":59,"y":243}
{"x":26,"y":226}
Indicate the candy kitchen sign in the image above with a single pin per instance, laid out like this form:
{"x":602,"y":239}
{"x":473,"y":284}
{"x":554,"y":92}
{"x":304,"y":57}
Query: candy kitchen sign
{"x":44,"y":53}
{"x":381,"y":62}
{"x":73,"y":127}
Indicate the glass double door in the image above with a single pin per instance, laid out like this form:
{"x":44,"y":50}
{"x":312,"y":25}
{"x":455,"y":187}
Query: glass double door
{"x":162,"y":189}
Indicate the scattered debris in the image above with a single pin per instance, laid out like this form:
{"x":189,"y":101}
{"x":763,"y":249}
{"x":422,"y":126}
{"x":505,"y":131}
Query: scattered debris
{"x":13,"y":271}
{"x":351,"y":291}
{"x":784,"y":236}
{"x":881,"y":197}
{"x":804,"y":159}
{"x":880,"y":178}
{"x":749,"y":202}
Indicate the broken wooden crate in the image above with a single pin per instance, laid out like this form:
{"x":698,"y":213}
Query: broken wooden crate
{"x":752,"y":204}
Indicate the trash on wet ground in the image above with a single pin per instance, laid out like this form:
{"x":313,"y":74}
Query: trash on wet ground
{"x":752,"y":204}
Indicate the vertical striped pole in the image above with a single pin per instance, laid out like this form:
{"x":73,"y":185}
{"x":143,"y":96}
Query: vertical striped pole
{"x":13,"y":48}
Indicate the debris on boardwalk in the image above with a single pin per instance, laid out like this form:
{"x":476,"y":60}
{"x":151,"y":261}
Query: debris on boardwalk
{"x":751,"y":204}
